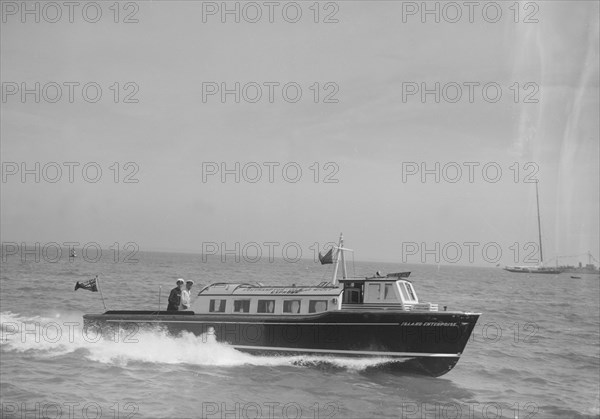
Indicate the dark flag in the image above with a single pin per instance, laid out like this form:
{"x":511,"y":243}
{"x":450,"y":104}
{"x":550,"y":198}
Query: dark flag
{"x":90,"y":285}
{"x":328,"y":258}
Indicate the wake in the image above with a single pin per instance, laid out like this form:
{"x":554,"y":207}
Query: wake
{"x":64,"y":334}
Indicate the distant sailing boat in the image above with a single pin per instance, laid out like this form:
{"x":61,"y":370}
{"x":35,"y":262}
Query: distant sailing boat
{"x":540,"y":269}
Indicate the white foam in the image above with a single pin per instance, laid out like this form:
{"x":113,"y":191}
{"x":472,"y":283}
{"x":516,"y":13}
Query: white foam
{"x":64,"y":334}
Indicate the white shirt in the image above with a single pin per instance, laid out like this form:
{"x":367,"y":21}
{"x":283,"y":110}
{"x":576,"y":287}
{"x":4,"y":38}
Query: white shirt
{"x":185,"y":300}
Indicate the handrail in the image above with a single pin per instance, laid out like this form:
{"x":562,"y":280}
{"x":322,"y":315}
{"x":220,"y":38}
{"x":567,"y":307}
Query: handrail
{"x":226,"y":283}
{"x":244,"y":285}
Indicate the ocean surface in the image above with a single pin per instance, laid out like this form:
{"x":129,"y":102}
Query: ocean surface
{"x":535,"y":352}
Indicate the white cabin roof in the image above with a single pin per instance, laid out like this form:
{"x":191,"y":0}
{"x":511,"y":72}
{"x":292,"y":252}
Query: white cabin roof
{"x":242,"y":289}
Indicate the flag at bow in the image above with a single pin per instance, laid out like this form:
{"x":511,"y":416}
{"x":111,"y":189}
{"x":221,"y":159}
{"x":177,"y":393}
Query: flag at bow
{"x":91,"y":285}
{"x":328,"y":258}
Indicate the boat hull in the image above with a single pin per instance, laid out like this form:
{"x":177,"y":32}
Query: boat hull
{"x":549,"y":271}
{"x":429,"y":343}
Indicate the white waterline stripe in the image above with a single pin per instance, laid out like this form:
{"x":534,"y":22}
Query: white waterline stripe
{"x":340,"y":351}
{"x":257,"y":323}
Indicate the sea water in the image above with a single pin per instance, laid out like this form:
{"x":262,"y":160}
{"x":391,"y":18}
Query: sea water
{"x":535,"y":352}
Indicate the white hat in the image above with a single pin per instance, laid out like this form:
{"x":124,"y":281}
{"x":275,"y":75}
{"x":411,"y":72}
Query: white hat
{"x":189,"y":281}
{"x":180,"y":280}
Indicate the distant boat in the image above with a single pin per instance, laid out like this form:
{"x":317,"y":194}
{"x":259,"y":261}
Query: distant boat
{"x":575,"y":277}
{"x":589,"y":269}
{"x":539,"y":269}
{"x":532,"y":269}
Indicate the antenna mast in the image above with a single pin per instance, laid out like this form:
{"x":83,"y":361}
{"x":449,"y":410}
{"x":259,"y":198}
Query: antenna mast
{"x":537,"y":199}
{"x":339,"y":254}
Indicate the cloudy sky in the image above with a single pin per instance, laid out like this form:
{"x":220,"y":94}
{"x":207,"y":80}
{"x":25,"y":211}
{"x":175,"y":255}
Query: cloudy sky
{"x":361,"y":132}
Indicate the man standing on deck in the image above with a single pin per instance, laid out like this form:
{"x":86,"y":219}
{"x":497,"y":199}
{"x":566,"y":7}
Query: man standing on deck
{"x":185,"y":295}
{"x":175,"y":296}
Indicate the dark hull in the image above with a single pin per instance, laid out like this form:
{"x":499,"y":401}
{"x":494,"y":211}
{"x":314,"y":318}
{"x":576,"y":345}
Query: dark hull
{"x":534,"y":271}
{"x":429,"y":343}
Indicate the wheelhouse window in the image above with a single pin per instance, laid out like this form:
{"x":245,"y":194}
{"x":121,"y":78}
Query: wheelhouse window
{"x":352,"y":293}
{"x":217,"y":306}
{"x":241,"y":306}
{"x":403,"y":291}
{"x":316,"y":306}
{"x":291,"y":306}
{"x":266,"y":306}
{"x":407,"y":292}
{"x":374,"y":292}
{"x":411,"y":291}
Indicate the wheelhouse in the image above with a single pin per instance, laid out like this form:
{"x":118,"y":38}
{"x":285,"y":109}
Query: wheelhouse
{"x":386,"y":292}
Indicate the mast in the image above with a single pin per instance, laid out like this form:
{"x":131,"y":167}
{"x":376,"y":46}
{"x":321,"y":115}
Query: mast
{"x":537,"y":199}
{"x":339,"y":254}
{"x":337,"y":260}
{"x":344,"y":274}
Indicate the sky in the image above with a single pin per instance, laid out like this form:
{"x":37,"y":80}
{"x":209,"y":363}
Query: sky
{"x":378,"y":160}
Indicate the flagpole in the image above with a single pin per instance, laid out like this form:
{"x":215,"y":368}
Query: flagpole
{"x":101,"y":295}
{"x":159,"y":290}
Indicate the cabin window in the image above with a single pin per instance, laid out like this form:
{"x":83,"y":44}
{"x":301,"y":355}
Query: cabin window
{"x":388,"y":292}
{"x":316,"y":306}
{"x":291,"y":306}
{"x":374,"y":292}
{"x":217,"y":306}
{"x":266,"y":306}
{"x":241,"y":306}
